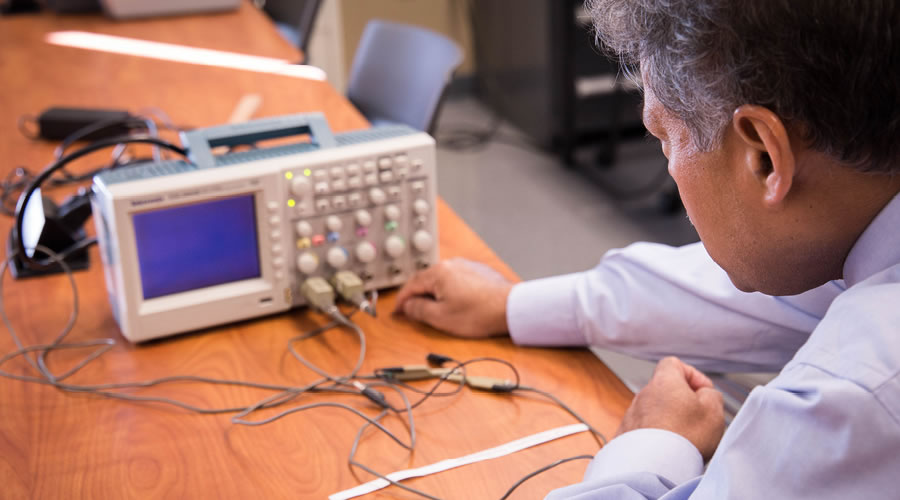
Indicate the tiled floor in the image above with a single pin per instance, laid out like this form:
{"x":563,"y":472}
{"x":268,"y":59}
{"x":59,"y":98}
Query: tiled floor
{"x":544,"y":219}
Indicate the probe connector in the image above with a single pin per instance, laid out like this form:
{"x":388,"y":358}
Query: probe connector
{"x":350,"y":287}
{"x":319,"y":294}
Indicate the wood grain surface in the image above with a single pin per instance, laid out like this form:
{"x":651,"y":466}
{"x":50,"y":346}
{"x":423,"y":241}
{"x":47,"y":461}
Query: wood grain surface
{"x":62,"y":445}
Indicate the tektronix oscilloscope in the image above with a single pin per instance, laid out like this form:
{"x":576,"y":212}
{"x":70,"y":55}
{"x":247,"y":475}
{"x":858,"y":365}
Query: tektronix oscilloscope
{"x":187,"y":245}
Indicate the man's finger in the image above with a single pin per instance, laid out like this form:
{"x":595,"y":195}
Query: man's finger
{"x":671,"y":367}
{"x":422,"y":309}
{"x":710,"y":398}
{"x":421,"y":283}
{"x":695,"y":378}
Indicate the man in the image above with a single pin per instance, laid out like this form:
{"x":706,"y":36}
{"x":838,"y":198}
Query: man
{"x":781,"y":123}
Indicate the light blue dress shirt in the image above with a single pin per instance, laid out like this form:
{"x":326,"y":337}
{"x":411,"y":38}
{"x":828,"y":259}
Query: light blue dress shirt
{"x":827,"y":427}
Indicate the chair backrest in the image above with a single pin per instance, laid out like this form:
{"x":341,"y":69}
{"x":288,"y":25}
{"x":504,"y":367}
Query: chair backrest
{"x":399,"y":73}
{"x":298,"y":15}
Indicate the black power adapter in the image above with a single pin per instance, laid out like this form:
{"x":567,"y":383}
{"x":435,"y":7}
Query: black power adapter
{"x":59,"y":123}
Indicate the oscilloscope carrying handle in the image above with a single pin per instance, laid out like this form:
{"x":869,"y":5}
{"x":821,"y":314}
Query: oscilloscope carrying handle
{"x":201,"y":141}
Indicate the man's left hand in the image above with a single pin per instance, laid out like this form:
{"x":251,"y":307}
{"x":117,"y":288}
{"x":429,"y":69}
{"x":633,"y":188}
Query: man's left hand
{"x":681,"y":399}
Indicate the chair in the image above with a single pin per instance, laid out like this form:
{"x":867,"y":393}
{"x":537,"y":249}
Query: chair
{"x":295,"y":20}
{"x":399,"y":73}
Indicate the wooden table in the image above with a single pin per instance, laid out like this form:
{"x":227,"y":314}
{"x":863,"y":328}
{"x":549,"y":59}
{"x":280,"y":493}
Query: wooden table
{"x":61,"y":445}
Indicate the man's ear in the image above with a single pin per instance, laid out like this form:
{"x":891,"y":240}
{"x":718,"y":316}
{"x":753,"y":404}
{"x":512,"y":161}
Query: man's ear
{"x":768,"y":146}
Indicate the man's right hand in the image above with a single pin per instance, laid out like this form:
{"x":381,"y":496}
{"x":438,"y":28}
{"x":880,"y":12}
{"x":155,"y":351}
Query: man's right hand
{"x":461,"y":297}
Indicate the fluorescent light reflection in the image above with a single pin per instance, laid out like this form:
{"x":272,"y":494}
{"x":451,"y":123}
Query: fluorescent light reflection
{"x":183,"y":54}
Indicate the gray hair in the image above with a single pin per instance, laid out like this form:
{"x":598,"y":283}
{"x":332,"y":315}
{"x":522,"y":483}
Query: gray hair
{"x":830,"y":69}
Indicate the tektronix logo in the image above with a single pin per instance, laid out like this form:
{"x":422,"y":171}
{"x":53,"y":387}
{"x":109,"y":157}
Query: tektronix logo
{"x":138,"y":203}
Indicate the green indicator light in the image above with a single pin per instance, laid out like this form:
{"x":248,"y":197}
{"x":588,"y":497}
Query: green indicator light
{"x":288,"y":175}
{"x":291,"y":203}
{"x":307,"y":172}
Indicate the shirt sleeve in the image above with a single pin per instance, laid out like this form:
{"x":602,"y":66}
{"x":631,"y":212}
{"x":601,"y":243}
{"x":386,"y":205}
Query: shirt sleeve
{"x":651,"y":300}
{"x":807,"y":435}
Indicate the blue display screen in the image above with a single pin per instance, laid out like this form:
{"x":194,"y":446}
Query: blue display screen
{"x":195,"y":246}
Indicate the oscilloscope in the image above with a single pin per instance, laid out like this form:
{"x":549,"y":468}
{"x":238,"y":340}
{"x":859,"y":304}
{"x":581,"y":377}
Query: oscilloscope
{"x":226,"y":237}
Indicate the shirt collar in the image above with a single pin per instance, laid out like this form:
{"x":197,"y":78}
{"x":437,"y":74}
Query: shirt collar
{"x":878,"y":247}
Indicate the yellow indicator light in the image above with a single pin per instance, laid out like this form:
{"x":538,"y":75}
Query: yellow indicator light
{"x":307,"y":172}
{"x":291,"y":203}
{"x":288,"y":175}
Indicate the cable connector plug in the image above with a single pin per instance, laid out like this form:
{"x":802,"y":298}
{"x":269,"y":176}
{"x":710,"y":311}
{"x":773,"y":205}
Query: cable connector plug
{"x":484,"y":383}
{"x":350,"y":287}
{"x":319,"y":294}
{"x":375,"y":396}
{"x":410,"y":372}
{"x":438,"y":359}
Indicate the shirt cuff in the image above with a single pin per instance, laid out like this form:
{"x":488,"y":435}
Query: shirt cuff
{"x":664,"y":453}
{"x":542,"y":312}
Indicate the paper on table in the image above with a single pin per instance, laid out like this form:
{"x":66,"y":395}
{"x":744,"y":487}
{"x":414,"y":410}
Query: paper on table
{"x":452,"y":463}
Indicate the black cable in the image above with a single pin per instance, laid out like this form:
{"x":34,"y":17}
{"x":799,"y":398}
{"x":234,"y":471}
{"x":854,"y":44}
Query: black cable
{"x":26,"y":195}
{"x":130,"y":122}
{"x":597,"y":434}
{"x":541,"y":470}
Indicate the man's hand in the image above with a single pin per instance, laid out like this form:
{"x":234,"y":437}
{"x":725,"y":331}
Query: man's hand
{"x":458,"y":296}
{"x":681,"y":399}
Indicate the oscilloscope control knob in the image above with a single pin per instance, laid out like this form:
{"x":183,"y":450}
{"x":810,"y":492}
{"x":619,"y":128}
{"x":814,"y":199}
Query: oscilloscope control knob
{"x":301,"y":186}
{"x":304,"y":229}
{"x":336,"y":257}
{"x":422,"y":241}
{"x":333,"y":223}
{"x":377,"y":196}
{"x":421,"y":207}
{"x":363,"y":218}
{"x":365,"y":252}
{"x":307,"y":262}
{"x":394,"y":246}
{"x":392,"y":212}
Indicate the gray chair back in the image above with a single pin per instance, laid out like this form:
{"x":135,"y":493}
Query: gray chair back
{"x":399,"y":73}
{"x":295,"y":20}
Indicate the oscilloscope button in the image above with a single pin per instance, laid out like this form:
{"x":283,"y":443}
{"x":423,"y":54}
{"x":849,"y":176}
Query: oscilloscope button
{"x":301,"y":187}
{"x":392,"y":212}
{"x":377,"y":196}
{"x":421,"y":207}
{"x":363,"y":218}
{"x":304,"y":229}
{"x":333,"y":223}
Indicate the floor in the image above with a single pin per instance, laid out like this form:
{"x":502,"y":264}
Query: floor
{"x":543,"y":218}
